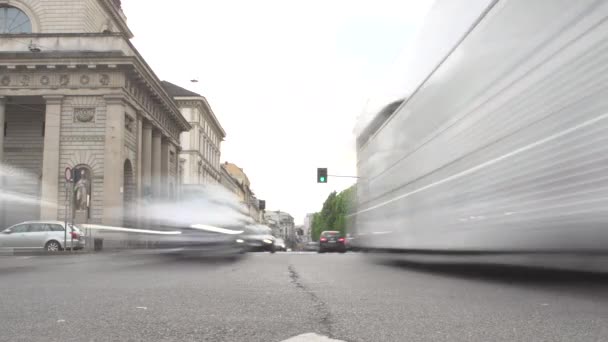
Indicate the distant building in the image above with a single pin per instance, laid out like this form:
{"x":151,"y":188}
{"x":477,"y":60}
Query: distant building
{"x":235,"y":180}
{"x":200,"y":146}
{"x":307,"y":227}
{"x":282,"y":225}
{"x":230,"y":183}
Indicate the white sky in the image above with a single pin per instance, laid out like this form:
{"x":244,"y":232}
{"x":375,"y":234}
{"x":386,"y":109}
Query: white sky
{"x":286,"y":79}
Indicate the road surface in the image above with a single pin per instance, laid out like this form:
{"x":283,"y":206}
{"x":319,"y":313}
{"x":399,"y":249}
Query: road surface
{"x":127,"y":297}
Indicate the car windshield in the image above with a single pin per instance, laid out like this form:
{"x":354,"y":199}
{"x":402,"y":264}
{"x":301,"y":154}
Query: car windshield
{"x":338,"y":170}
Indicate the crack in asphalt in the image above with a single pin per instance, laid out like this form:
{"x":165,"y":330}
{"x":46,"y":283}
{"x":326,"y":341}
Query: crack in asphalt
{"x":325,"y":318}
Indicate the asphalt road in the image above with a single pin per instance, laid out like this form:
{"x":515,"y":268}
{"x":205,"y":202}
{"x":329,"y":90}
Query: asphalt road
{"x":264,"y":297}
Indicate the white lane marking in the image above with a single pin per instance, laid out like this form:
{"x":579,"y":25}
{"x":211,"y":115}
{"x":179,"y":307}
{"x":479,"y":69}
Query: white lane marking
{"x":544,"y":304}
{"x":311,"y":337}
{"x":142,"y":307}
{"x":60,"y":320}
{"x":488,"y":163}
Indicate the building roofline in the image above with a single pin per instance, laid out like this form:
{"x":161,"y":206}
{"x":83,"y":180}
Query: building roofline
{"x":118,"y":16}
{"x":207,"y":106}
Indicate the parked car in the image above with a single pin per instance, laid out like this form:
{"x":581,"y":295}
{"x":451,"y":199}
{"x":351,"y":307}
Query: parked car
{"x":311,"y":246}
{"x":42,"y":235}
{"x":279,"y":245}
{"x":331,"y":241}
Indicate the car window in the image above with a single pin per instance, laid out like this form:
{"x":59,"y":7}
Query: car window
{"x":37,"y":228}
{"x":55,"y":228}
{"x":328,"y":234}
{"x":22,"y":228}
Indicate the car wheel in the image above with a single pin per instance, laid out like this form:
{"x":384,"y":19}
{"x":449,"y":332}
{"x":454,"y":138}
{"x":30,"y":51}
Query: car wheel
{"x":52,"y":246}
{"x":320,"y":251}
{"x":273,"y":249}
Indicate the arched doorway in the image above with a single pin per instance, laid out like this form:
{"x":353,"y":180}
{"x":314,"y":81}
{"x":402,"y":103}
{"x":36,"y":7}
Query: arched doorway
{"x":129,"y":218}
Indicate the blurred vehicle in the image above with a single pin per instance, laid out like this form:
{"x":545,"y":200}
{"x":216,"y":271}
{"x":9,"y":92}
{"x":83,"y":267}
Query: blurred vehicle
{"x":280,"y":245}
{"x":206,"y":221}
{"x":496,"y":143}
{"x":42,"y":235}
{"x":349,"y":243}
{"x":331,"y":241}
{"x":311,"y":246}
{"x":258,"y":238}
{"x":204,"y":241}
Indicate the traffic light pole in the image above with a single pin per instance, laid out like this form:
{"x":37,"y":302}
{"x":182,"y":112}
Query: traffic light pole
{"x":344,"y":176}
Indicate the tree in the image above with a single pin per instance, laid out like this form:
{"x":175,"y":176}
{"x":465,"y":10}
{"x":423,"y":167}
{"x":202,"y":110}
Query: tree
{"x":333,"y":213}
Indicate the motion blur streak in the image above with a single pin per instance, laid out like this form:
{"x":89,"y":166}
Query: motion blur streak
{"x":209,"y":205}
{"x":502,"y":148}
{"x":490,"y":162}
{"x":216,"y":229}
{"x":130,"y":230}
{"x":19,"y":195}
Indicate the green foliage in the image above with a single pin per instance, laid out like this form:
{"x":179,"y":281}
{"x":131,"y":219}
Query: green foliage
{"x":334,"y":211}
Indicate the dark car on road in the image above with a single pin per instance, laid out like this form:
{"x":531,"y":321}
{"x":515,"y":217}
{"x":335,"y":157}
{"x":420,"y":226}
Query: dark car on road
{"x":331,"y":241}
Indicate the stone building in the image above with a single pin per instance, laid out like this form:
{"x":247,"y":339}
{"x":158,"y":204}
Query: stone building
{"x":74,"y":92}
{"x":282,"y":224}
{"x":200,"y":154}
{"x":244,"y":192}
{"x":231,"y":184}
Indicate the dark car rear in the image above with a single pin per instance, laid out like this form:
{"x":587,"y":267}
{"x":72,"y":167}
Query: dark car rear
{"x":331,"y":241}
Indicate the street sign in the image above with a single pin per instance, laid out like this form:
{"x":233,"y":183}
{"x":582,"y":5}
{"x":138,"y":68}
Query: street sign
{"x":68,"y":174}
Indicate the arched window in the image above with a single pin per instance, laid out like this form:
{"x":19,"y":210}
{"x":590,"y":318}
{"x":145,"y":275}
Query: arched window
{"x":13,"y":20}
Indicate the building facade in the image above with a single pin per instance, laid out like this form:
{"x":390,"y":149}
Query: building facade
{"x":245,"y":194}
{"x":230,"y":183}
{"x":282,"y":225}
{"x":75,"y":93}
{"x":307,"y":226}
{"x":200,"y":154}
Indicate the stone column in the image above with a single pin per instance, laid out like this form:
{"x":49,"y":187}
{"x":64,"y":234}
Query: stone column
{"x":2,"y":118}
{"x":2,"y":180}
{"x":156,"y":163}
{"x":178,"y":180}
{"x":146,"y":158}
{"x":113,"y":167}
{"x":164,"y":168}
{"x":50,"y":159}
{"x":138,"y":163}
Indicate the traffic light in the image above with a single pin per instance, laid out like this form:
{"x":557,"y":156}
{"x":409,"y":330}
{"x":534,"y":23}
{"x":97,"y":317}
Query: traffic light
{"x":321,"y":175}
{"x":261,"y":204}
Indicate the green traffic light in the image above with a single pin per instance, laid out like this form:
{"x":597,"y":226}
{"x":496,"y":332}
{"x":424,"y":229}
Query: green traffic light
{"x":322,"y":179}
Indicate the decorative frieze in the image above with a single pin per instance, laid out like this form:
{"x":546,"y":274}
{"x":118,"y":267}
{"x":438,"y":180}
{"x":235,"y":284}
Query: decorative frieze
{"x":83,"y":138}
{"x":50,"y":79}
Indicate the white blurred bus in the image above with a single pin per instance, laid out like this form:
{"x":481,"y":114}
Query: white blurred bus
{"x":499,"y":142}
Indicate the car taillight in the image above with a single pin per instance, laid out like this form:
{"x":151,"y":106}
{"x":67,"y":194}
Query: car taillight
{"x":75,"y":235}
{"x":323,"y":239}
{"x":341,"y":239}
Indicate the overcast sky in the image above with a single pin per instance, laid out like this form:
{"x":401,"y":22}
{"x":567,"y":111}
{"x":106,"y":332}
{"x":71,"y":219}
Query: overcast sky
{"x":286,"y":79}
